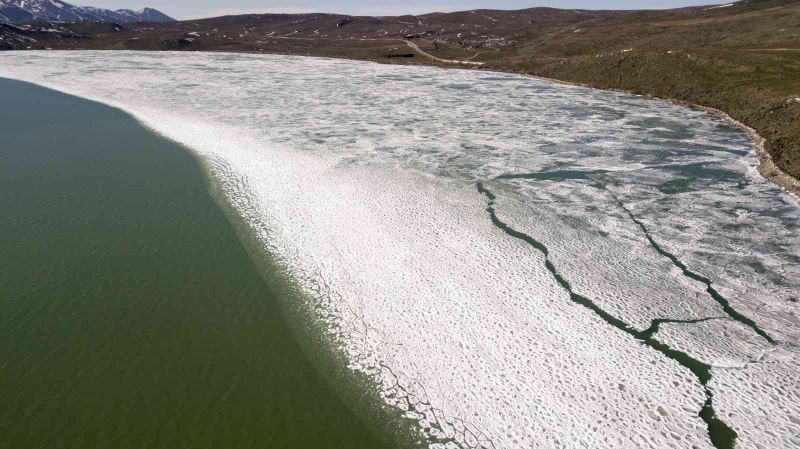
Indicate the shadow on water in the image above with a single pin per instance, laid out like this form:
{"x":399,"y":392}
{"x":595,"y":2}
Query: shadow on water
{"x":131,"y":313}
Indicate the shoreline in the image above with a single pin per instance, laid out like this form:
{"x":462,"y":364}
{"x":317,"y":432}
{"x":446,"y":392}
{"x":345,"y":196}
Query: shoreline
{"x":177,"y":312}
{"x":355,"y":389}
{"x":766,"y":165}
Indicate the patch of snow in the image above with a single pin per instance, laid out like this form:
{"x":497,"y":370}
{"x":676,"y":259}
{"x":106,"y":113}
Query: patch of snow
{"x":719,"y":6}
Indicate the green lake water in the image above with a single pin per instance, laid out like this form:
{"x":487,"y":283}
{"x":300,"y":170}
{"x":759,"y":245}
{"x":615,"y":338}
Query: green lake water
{"x":130,"y":313}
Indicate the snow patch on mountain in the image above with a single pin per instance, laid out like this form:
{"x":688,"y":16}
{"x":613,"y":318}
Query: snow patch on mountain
{"x":18,"y":11}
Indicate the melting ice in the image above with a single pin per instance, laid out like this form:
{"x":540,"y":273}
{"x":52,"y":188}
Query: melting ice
{"x":361,"y":178}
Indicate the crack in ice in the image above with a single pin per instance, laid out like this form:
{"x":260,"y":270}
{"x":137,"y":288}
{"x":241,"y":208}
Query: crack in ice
{"x":656,"y":324}
{"x":721,"y":435}
{"x":721,"y":300}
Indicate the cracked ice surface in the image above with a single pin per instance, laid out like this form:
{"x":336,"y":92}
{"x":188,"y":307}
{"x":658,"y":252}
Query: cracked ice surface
{"x":735,"y":344}
{"x":360,"y":178}
{"x":755,"y":384}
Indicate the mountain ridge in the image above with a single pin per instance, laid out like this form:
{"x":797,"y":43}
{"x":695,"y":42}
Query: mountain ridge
{"x":22,"y":11}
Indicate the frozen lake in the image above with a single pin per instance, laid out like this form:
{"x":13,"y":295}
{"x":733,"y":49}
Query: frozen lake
{"x":516,"y":263}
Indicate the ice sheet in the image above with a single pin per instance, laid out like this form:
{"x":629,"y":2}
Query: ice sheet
{"x":361,"y":179}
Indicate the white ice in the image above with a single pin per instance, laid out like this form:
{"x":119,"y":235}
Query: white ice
{"x":360,"y":178}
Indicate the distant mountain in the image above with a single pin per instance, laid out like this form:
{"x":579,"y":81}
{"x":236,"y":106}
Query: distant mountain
{"x":18,"y":11}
